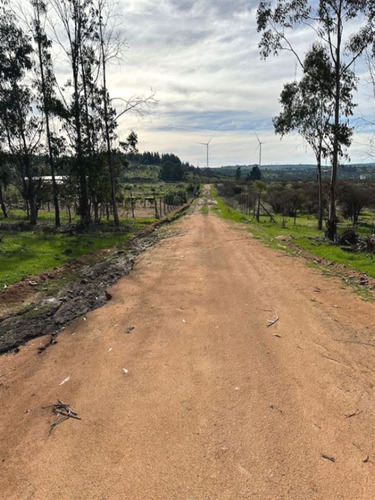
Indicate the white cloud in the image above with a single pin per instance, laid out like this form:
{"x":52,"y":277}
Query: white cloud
{"x":202,"y":58}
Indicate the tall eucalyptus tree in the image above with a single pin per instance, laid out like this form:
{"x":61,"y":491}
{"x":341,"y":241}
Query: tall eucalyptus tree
{"x":345,"y":27}
{"x":308,"y":109}
{"x":21,"y":128}
{"x":46,"y":85}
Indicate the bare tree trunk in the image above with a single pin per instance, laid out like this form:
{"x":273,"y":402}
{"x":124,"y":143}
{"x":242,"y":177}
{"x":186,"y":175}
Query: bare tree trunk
{"x":47,"y":117}
{"x":258,"y":209}
{"x":132,"y":205}
{"x":26,"y":208}
{"x":96,"y":211}
{"x":30,"y":187}
{"x":75,"y":41}
{"x":85,"y":115}
{"x":156,"y":208}
{"x":81,"y":164}
{"x":332,"y":218}
{"x":3,"y":207}
{"x":33,"y":211}
{"x":106,"y":125}
{"x":320,"y":195}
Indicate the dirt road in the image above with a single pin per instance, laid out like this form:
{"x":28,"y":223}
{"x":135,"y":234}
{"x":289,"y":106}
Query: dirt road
{"x":215,"y":405}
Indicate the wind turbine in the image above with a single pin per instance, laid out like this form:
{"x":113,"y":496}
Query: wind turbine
{"x":260,"y":149}
{"x":207,"y":144}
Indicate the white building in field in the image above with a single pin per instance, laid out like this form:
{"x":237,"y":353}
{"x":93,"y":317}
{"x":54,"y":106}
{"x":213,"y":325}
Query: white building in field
{"x":60,"y":179}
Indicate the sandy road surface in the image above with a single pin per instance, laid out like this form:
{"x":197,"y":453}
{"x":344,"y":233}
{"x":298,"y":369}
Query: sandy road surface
{"x":215,"y":404}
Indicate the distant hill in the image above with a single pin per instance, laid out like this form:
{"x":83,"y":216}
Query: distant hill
{"x":147,"y":168}
{"x":300,"y":171}
{"x":247,"y":168}
{"x":291,"y":166}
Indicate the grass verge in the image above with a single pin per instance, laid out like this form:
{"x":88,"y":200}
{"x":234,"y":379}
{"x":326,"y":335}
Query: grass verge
{"x":27,"y":253}
{"x":294,"y":238}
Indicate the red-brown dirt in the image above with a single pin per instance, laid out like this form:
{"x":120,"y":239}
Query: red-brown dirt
{"x":215,"y":404}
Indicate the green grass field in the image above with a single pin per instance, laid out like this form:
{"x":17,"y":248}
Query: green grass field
{"x":44,"y":218}
{"x":26,"y":253}
{"x":304,"y":235}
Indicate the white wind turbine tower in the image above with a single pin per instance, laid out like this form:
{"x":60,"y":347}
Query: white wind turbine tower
{"x":260,"y":149}
{"x":207,"y":144}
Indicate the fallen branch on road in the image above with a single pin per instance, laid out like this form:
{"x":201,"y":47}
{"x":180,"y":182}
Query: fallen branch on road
{"x":63,"y":412}
{"x":272,"y":321}
{"x":274,"y":407}
{"x":350,"y":415}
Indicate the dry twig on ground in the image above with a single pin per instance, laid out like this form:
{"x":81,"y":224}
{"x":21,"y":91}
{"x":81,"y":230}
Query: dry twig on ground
{"x":63,"y":412}
{"x":350,"y":415}
{"x":272,"y":321}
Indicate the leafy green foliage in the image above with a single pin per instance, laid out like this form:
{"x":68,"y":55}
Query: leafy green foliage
{"x":20,"y":129}
{"x":171,"y":169}
{"x":308,"y":107}
{"x":255,"y":174}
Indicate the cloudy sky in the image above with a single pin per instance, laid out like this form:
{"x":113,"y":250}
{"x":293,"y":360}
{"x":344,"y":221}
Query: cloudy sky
{"x":202,"y":59}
